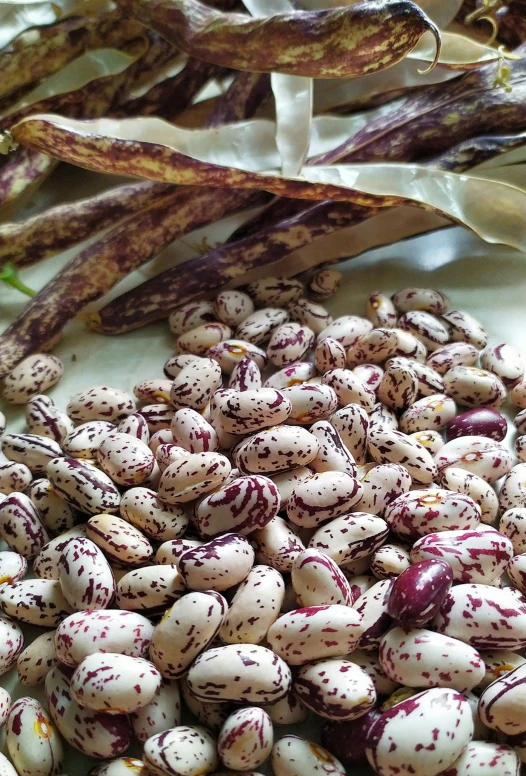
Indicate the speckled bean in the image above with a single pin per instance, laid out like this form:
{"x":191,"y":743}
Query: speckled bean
{"x":478,"y":422}
{"x":211,"y":715}
{"x":455,"y":354}
{"x":254,"y":608}
{"x":370,"y":663}
{"x":153,"y":391}
{"x":34,"y":375}
{"x":310,"y":403}
{"x":85,"y":576}
{"x":505,"y":361}
{"x":249,"y":411}
{"x":350,"y":537}
{"x":190,"y":316}
{"x":5,"y":705}
{"x":499,"y":662}
{"x":289,"y":343}
{"x":244,"y":672}
{"x":426,"y":299}
{"x":276,"y":291}
{"x":373,"y":347}
{"x":322,"y":496}
{"x":325,"y":283}
{"x":310,"y":314}
{"x":422,"y":512}
{"x":83,"y":487}
{"x":54,"y":512}
{"x":398,"y":387}
{"x":37,"y":659}
{"x":13,"y":567}
{"x":119,"y":540}
{"x":314,"y":633}
{"x":34,"y":602}
{"x":30,"y":449}
{"x":516,"y":571}
{"x":120,"y":766}
{"x":243,"y":506}
{"x":109,"y":630}
{"x":478,"y":455}
{"x":346,"y":330}
{"x":372,"y":605}
{"x":500,"y":703}
{"x":431,"y":440}
{"x":161,"y":437}
{"x":513,"y":491}
{"x":370,"y":374}
{"x":195,"y":384}
{"x":125,"y":459}
{"x":389,"y":560}
{"x":380,"y":310}
{"x":473,"y":387}
{"x":333,"y":455}
{"x":246,"y":738}
{"x":335,"y":689}
{"x":329,"y":354}
{"x":33,"y":741}
{"x":518,"y":395}
{"x":11,"y":644}
{"x":166,"y":454}
{"x":162,"y":713}
{"x":245,"y":376}
{"x":295,"y":756}
{"x":390,"y":446}
{"x":484,"y":616}
{"x":185,"y":630}
{"x":520,"y":448}
{"x":44,"y":419}
{"x":159,"y":521}
{"x":277,"y":449}
{"x":429,"y":413}
{"x":96,"y":734}
{"x":288,"y":711}
{"x":464,"y":328}
{"x":217,"y":565}
{"x":169,"y":552}
{"x":194,"y":476}
{"x":381,"y":485}
{"x":349,"y":388}
{"x":181,"y":751}
{"x":421,"y":658}
{"x":14,"y":477}
{"x":394,"y":743}
{"x":20,"y":525}
{"x":295,"y":374}
{"x":260,"y":325}
{"x":425,"y":327}
{"x":484,"y":758}
{"x":150,"y":589}
{"x":479,"y":555}
{"x":352,"y":423}
{"x":200,"y":339}
{"x":231,"y":352}
{"x":232,"y":307}
{"x":136,"y":426}
{"x":317,"y":580}
{"x":45,"y":564}
{"x":101,"y":403}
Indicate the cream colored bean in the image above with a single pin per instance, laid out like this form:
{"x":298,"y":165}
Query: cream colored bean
{"x":389,"y":446}
{"x":37,"y":659}
{"x":194,"y":476}
{"x":190,"y":316}
{"x":233,"y":307}
{"x":33,"y":741}
{"x":195,"y":384}
{"x":14,"y":477}
{"x":34,"y":375}
{"x":254,"y":608}
{"x":349,"y":388}
{"x":472,"y":387}
{"x":289,"y":343}
{"x":197,"y":341}
{"x":277,"y":449}
{"x":325,"y":283}
{"x":426,"y":299}
{"x":218,"y":564}
{"x":32,"y":450}
{"x":398,"y":387}
{"x":120,"y":541}
{"x":101,"y":403}
{"x":316,"y":317}
{"x":381,"y":310}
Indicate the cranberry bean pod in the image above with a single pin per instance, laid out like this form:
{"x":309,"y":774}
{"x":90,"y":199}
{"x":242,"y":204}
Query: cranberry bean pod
{"x":194,"y":476}
{"x":394,"y":743}
{"x":20,"y":525}
{"x":243,"y":506}
{"x":83,"y":487}
{"x":275,"y":291}
{"x":244,"y":672}
{"x":289,"y":343}
{"x":186,"y":630}
{"x":245,"y":376}
{"x":159,"y":521}
{"x":35,"y":602}
{"x":37,"y":659}
{"x":109,"y":630}
{"x":382,"y":485}
{"x":476,"y":454}
{"x":420,"y":512}
{"x":421,"y":658}
{"x":479,"y":556}
{"x":217,"y":565}
{"x":33,"y":741}
{"x":85,"y":576}
{"x":317,"y":580}
{"x":13,"y":567}
{"x":14,"y":477}
{"x":335,"y":689}
{"x":11,"y":644}
{"x":389,"y":446}
{"x":200,"y":339}
{"x":425,"y":299}
{"x":246,"y":738}
{"x":254,"y":608}
{"x":34,"y":375}
{"x":295,"y":756}
{"x":95,"y":734}
{"x":44,"y":419}
{"x":190,"y":316}
{"x":380,"y":310}
{"x":195,"y":384}
{"x":484,"y":616}
{"x":315,"y":632}
{"x":30,"y":449}
{"x":350,"y":537}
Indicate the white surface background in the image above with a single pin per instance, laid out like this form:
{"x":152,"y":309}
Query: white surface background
{"x":486,"y":280}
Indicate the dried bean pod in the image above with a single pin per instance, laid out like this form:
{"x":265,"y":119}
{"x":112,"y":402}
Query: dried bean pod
{"x":136,"y":426}
{"x":464,"y":328}
{"x":54,"y":512}
{"x":11,"y":644}
{"x":426,"y":299}
{"x":14,"y":477}
{"x":380,"y":310}
{"x":248,"y":673}
{"x":20,"y":525}
{"x":421,"y":512}
{"x":190,"y":316}
{"x":119,"y":540}
{"x":429,"y":330}
{"x":480,"y":555}
{"x":349,"y":388}
{"x":389,"y":446}
{"x":33,"y":741}
{"x":194,"y":476}
{"x":30,"y":449}
{"x":476,"y":454}
{"x":159,"y":521}
{"x":346,"y":330}
{"x":295,"y":756}
{"x":437,"y":710}
{"x":96,"y":734}
{"x":44,"y":419}
{"x":195,"y":384}
{"x":246,"y":738}
{"x":106,"y":630}
{"x":34,"y":602}
{"x":200,"y":339}
{"x":275,"y":291}
{"x":83,"y":487}
{"x":13,"y":567}
{"x":37,"y":659}
{"x":85,"y":576}
{"x":352,"y":423}
{"x":513,"y":491}
{"x":381,"y":485}
{"x":34,"y":375}
{"x":289,"y":343}
{"x":479,"y":422}
{"x":335,"y":689}
{"x":150,"y":589}
{"x":317,"y":580}
{"x":245,"y":376}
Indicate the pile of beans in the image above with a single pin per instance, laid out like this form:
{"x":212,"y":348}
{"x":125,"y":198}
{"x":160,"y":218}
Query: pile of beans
{"x":304,"y":516}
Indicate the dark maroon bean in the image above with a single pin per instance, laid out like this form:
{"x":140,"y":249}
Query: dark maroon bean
{"x":478,"y":422}
{"x":417,"y":594}
{"x":346,"y":740}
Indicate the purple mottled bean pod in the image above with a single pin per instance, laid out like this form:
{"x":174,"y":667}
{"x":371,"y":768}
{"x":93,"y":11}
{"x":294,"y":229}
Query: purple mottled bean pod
{"x":478,"y":455}
{"x":335,"y":689}
{"x":289,"y":343}
{"x":231,"y":352}
{"x":420,"y":512}
{"x":247,"y":673}
{"x":11,"y":644}
{"x":32,"y":450}
{"x":106,"y":630}
{"x":295,"y":756}
{"x":421,"y":658}
{"x":35,"y":602}
{"x":83,"y":487}
{"x":85,"y":576}
{"x":479,"y":555}
{"x":243,"y":506}
{"x":395,"y":743}
{"x":120,"y":541}
{"x":390,"y":446}
{"x":217,"y":565}
{"x":418,"y":593}
{"x":246,"y":738}
{"x":34,"y":375}
{"x":20,"y":525}
{"x":95,"y":734}
{"x":185,"y":630}
{"x":195,"y":384}
{"x":478,"y":422}
{"x":33,"y":741}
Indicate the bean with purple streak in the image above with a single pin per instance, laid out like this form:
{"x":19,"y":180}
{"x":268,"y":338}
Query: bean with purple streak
{"x":500,"y":703}
{"x":85,"y":576}
{"x":200,"y":339}
{"x":349,"y":388}
{"x":33,"y":741}
{"x":34,"y":375}
{"x":192,"y":432}
{"x":478,"y":455}
{"x":162,"y":713}
{"x":513,"y":491}
{"x":190,"y":316}
{"x":11,"y":644}
{"x":246,"y":738}
{"x":289,"y":343}
{"x":44,"y":419}
{"x":390,"y":446}
{"x":335,"y":689}
{"x":231,"y":352}
{"x":193,"y":476}
{"x":20,"y":525}
{"x":483,"y":494}
{"x":418,"y":593}
{"x":310,"y":402}
{"x":254,"y":608}
{"x":159,"y":521}
{"x":470,"y":386}
{"x":120,"y":541}
{"x":380,"y":486}
{"x":101,"y":402}
{"x":243,"y":506}
{"x":245,"y":376}
{"x":505,"y":361}
{"x":195,"y":384}
{"x":295,"y":756}
{"x":83,"y":487}
{"x":373,"y":606}
{"x":218,"y":565}
{"x":136,"y":425}
{"x":352,"y":423}
{"x":426,"y":299}
{"x":56,"y":515}
{"x":37,"y":659}
{"x":380,"y":310}
{"x":32,"y":450}
{"x":329,"y":354}
{"x":13,"y":567}
{"x":260,"y":325}
{"x":310,"y":314}
{"x":429,"y":413}
{"x":181,"y":751}
{"x":153,"y":391}
{"x":275,"y":292}
{"x":295,"y":374}
{"x":277,"y":449}
{"x":317,"y":580}
{"x":14,"y":477}
{"x":350,"y":537}
{"x":34,"y":602}
{"x":421,"y":512}
{"x":321,"y":497}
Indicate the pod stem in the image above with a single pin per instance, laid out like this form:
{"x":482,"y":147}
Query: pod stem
{"x":9,"y":276}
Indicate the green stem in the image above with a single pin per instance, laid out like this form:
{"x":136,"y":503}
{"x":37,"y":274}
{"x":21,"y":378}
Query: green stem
{"x":9,"y":275}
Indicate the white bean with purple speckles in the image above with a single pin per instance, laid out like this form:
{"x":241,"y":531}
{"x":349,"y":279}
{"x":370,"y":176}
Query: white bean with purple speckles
{"x":135,"y":425}
{"x":398,"y":387}
{"x":373,"y":347}
{"x":181,"y":751}
{"x":34,"y":602}
{"x":44,"y":419}
{"x":505,"y":361}
{"x":381,"y":310}
{"x":5,"y":705}
{"x":193,"y":476}
{"x":159,"y":521}
{"x":295,"y":374}
{"x":350,"y":537}
{"x":83,"y":487}
{"x":381,"y":485}
{"x":14,"y":477}
{"x":191,"y":431}
{"x":470,"y":386}
{"x":13,"y":567}
{"x":421,"y":512}
{"x":333,"y":455}
{"x":501,"y":703}
{"x":329,"y":354}
{"x":513,"y":491}
{"x":33,"y":741}
{"x":30,"y":449}
{"x":233,"y":307}
{"x":317,"y":580}
{"x":201,"y":338}
{"x":157,"y":416}
{"x":249,"y":411}
{"x":120,"y":766}
{"x":260,"y":325}
{"x":289,"y":343}
{"x":246,"y":738}
{"x":464,"y":328}
{"x":162,"y":713}
{"x":11,"y":644}
{"x":37,"y":659}
{"x":125,"y":459}
{"x":34,"y":375}
{"x":254,"y":608}
{"x":20,"y":525}
{"x":150,"y":589}
{"x":85,"y":576}
{"x":245,"y":376}
{"x":86,"y":439}
{"x":335,"y":689}
{"x":349,"y":388}
{"x":276,"y":449}
{"x":323,"y":496}
{"x":295,"y":756}
{"x":478,"y":455}
{"x":429,"y":413}
{"x":55,"y":513}
{"x":231,"y":352}
{"x":390,"y":446}
{"x":190,"y":316}
{"x":389,"y":560}
{"x":101,"y":402}
{"x":243,"y":506}
{"x":324,"y":283}
{"x":217,"y":565}
{"x":119,"y":540}
{"x":195,"y":384}
{"x":426,"y":299}
{"x":426,"y":327}
{"x":313,"y":315}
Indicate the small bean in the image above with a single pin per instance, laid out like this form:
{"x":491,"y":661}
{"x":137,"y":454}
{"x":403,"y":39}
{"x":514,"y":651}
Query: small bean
{"x":34,"y":375}
{"x":329,"y":354}
{"x":101,"y":403}
{"x":14,"y":477}
{"x":513,"y":491}
{"x":398,"y":387}
{"x":316,"y":317}
{"x":136,"y":426}
{"x":120,"y":541}
{"x":199,"y":340}
{"x":155,"y":391}
{"x":193,"y":476}
{"x":33,"y":741}
{"x":325,"y":283}
{"x":376,"y":621}
{"x":233,"y":307}
{"x":346,"y":330}
{"x":190,"y":316}
{"x":32,"y":450}
{"x":175,"y":364}
{"x":310,"y":402}
{"x":157,"y":416}
{"x":246,"y":738}
{"x":390,"y":446}
{"x":520,"y":448}
{"x":289,"y":343}
{"x":464,"y":328}
{"x":254,"y":608}
{"x":288,"y":711}
{"x":381,"y":310}
{"x":260,"y":325}
{"x":389,"y":560}
{"x":37,"y":659}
